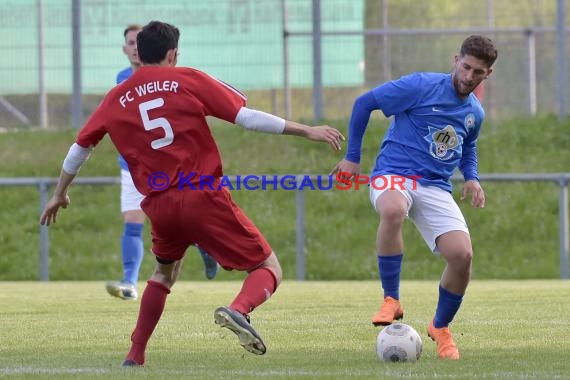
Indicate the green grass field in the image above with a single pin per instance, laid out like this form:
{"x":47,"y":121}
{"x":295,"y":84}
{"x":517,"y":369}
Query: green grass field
{"x":313,"y":330}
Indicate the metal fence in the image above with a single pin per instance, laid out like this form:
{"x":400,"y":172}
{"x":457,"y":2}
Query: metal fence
{"x":561,"y":179}
{"x":62,"y":55}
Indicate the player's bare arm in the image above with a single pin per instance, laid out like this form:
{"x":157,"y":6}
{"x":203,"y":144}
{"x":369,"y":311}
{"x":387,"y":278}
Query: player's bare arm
{"x":76,"y":156}
{"x":322,"y":133}
{"x":474,"y":188}
{"x":60,"y":199}
{"x":348,"y":169}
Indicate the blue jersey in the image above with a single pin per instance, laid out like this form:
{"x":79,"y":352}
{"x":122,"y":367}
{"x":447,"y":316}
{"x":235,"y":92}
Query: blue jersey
{"x":433,"y":131}
{"x":122,"y":76}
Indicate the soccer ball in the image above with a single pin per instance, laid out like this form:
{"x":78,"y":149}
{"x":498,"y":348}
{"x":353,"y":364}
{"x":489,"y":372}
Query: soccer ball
{"x":398,"y":342}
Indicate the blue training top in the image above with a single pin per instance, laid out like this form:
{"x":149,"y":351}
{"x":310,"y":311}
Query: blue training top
{"x":433,"y":131}
{"x":122,"y":76}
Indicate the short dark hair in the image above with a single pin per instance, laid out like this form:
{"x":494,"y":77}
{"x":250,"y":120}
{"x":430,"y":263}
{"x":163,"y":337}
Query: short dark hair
{"x":480,"y":47}
{"x":131,"y":28}
{"x":154,"y":41}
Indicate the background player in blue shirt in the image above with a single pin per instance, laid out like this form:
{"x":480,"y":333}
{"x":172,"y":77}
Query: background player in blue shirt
{"x":132,"y":242}
{"x":436,"y":122}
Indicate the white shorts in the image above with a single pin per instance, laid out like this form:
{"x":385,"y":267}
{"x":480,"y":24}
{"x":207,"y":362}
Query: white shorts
{"x":433,"y":210}
{"x":130,"y":197}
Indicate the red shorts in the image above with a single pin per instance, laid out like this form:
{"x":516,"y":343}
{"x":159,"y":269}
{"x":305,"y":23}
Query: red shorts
{"x":208,"y":218}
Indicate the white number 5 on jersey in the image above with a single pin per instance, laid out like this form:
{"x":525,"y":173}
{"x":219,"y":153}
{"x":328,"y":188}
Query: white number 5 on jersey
{"x":156,"y":123}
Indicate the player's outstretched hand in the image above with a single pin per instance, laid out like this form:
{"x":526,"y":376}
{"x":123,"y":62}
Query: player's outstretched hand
{"x":346,"y":169}
{"x":326,"y":134}
{"x":50,"y":212}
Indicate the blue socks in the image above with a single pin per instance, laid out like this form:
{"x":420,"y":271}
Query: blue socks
{"x":447,"y":307}
{"x":132,"y":252}
{"x":389,"y":268}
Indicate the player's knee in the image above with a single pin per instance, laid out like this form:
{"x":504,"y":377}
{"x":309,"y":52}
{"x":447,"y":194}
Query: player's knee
{"x":392,"y":214}
{"x":460,"y":257}
{"x":272,"y":263}
{"x":134,"y":216}
{"x":467,"y":259}
{"x":278,"y":272}
{"x":166,"y":272}
{"x":162,"y":280}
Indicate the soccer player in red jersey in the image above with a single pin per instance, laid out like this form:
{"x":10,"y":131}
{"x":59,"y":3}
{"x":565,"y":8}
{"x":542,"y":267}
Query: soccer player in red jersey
{"x":132,"y":244}
{"x":157,"y":121}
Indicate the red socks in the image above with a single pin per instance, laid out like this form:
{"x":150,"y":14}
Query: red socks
{"x":152,"y":306}
{"x":257,"y":287}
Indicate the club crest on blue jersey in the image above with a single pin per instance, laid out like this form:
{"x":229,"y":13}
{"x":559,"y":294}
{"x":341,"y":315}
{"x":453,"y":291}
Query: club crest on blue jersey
{"x":469,"y":122}
{"x":443,"y":143}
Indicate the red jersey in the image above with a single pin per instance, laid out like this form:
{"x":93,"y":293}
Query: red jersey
{"x":157,"y":121}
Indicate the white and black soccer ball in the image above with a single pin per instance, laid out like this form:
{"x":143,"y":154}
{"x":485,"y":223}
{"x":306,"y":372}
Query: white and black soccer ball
{"x":398,"y":342}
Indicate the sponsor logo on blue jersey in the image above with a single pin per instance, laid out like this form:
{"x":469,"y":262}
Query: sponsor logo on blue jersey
{"x":444,"y":143}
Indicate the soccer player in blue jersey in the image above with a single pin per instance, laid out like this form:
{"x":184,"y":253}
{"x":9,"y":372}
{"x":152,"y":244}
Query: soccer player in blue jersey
{"x":434,"y":130}
{"x":132,"y":242}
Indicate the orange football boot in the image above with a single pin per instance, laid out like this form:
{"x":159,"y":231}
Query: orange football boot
{"x":389,"y":311}
{"x":446,"y":348}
